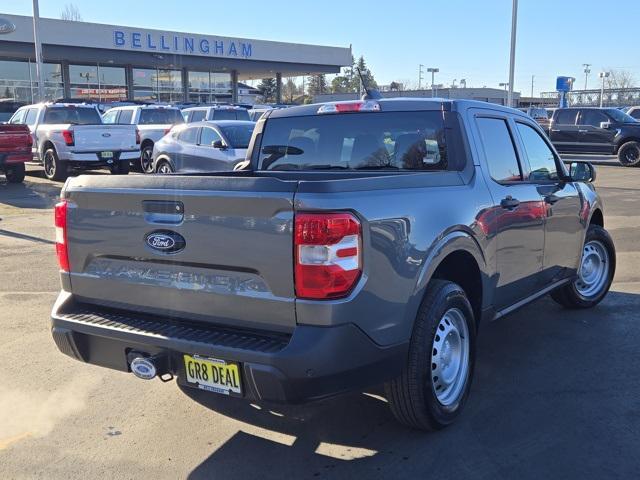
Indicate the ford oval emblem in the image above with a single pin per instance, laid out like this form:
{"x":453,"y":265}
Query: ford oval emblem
{"x":106,"y":135}
{"x":6,"y":26}
{"x":165,"y":241}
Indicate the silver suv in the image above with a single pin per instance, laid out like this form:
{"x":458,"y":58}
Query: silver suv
{"x":153,"y":122}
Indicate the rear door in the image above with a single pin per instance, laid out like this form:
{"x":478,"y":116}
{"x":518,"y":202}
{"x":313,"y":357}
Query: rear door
{"x":516,"y":219}
{"x":563,"y":131}
{"x":185,"y":157}
{"x":564,"y":231}
{"x":591,"y":135}
{"x":229,"y":256}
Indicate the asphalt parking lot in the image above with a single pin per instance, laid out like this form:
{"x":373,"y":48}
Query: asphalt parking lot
{"x":556,"y":392}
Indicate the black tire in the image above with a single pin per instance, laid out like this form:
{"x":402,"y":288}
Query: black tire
{"x":121,"y":167}
{"x":146,"y":158}
{"x":164,"y":167}
{"x":412,"y":395}
{"x":54,"y":168}
{"x":569,"y":295}
{"x":629,"y":154}
{"x":15,"y":173}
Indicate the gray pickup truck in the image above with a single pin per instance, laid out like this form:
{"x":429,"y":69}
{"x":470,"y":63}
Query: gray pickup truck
{"x":364,"y":243}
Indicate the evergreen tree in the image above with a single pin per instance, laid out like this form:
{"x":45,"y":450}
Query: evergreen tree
{"x":317,"y":84}
{"x":268,"y":89}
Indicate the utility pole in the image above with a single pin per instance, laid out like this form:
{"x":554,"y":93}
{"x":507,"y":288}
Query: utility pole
{"x":433,"y":72}
{"x":38,"y":45}
{"x":512,"y":56}
{"x":603,"y":75}
{"x":420,"y":67}
{"x":506,"y":91}
{"x":532,"y":77}
{"x":587,"y":71}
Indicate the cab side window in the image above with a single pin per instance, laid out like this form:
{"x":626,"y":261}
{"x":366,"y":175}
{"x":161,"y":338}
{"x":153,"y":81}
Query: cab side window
{"x":566,"y":117}
{"x":31,"y":116}
{"x":593,"y":118}
{"x":18,"y":117}
{"x":125,"y":117}
{"x":499,"y":150}
{"x":197,"y":115}
{"x":541,"y":158}
{"x":110,"y":117}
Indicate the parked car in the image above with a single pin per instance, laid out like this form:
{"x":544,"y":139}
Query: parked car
{"x":152,"y":121}
{"x":257,"y":111}
{"x":540,"y":115}
{"x":350,"y":252}
{"x":215,"y":112}
{"x":203,"y":147}
{"x":67,"y":136}
{"x":8,"y":108}
{"x":596,"y":130}
{"x":633,"y":112}
{"x":15,"y":150}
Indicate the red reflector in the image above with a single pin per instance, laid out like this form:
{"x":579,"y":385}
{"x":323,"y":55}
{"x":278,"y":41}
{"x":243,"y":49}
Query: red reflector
{"x":68,"y":137}
{"x":327,"y":254}
{"x":60,"y":212}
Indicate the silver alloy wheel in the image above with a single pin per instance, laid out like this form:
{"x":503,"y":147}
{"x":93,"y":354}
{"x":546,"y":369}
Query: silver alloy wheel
{"x":146,"y":160}
{"x":594,"y":269}
{"x":450,"y":357}
{"x":165,"y":168}
{"x":49,"y":164}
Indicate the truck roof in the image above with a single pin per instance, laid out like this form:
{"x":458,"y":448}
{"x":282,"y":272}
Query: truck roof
{"x":398,"y":104}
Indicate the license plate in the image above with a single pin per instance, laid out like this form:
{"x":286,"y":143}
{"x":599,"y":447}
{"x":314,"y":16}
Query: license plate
{"x":106,"y":154}
{"x":213,"y":374}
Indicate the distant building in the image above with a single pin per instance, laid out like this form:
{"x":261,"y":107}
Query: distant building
{"x":248,"y":94}
{"x":492,"y":95}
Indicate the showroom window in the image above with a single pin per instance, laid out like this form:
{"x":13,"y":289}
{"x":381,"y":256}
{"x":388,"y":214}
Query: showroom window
{"x":209,"y":86}
{"x":159,"y":85}
{"x":18,"y":81}
{"x":99,"y":83}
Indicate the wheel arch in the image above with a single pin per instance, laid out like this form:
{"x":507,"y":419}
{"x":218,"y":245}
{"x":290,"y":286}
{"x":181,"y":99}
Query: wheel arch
{"x":623,"y":141}
{"x":597,"y":217}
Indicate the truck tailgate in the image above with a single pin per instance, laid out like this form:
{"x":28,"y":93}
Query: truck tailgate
{"x":98,"y":138}
{"x":231,"y":238}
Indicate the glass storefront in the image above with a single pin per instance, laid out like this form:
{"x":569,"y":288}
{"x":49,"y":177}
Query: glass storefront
{"x":157,"y":85}
{"x":209,"y":86}
{"x":95,"y":82}
{"x":18,"y":81}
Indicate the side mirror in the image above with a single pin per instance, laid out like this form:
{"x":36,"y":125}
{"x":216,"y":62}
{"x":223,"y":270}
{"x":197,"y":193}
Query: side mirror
{"x":219,"y":145}
{"x":605,"y":125}
{"x":582,"y":172}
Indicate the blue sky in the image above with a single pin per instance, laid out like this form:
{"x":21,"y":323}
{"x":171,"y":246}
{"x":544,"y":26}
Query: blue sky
{"x":464,"y":38}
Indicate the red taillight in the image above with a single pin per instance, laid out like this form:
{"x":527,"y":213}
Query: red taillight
{"x":328,"y":260}
{"x":137,"y":137}
{"x":68,"y":137}
{"x":61,"y":235}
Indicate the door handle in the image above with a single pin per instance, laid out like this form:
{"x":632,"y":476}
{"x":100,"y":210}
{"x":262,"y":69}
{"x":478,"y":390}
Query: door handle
{"x":509,"y":203}
{"x":551,"y":199}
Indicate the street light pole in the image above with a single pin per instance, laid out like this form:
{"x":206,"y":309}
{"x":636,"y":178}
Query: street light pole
{"x":603,"y":75}
{"x":38,"y":46}
{"x":505,"y":85}
{"x":433,"y":72}
{"x":512,"y":56}
{"x":420,"y":76}
{"x":587,"y":71}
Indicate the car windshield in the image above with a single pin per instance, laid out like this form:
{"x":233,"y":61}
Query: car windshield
{"x":620,"y":116}
{"x":160,"y":116}
{"x":73,"y":115}
{"x":238,"y":136}
{"x":538,"y":113}
{"x":355,"y":141}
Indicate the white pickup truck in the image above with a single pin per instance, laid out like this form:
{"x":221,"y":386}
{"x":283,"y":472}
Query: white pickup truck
{"x":72,"y":136}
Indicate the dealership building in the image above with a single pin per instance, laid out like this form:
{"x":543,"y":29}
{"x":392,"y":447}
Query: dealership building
{"x":115,"y":63}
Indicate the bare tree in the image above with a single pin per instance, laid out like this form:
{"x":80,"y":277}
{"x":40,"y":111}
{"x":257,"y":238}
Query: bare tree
{"x":71,"y":13}
{"x":620,"y":79}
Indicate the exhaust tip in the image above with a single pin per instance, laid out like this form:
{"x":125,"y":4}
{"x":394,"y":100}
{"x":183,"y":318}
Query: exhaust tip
{"x":143,"y":368}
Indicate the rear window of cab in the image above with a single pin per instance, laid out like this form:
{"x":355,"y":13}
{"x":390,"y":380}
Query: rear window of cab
{"x":413,"y":140}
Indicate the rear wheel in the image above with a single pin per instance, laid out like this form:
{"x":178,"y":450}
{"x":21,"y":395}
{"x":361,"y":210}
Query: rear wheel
{"x":120,"y":167}
{"x":146,"y":159}
{"x":54,"y":168}
{"x":595,"y":275}
{"x":629,"y":154}
{"x":164,"y":167}
{"x":15,"y":173}
{"x":434,"y":385}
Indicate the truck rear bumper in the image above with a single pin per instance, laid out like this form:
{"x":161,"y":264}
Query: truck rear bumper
{"x":95,"y":156}
{"x":311,"y":363}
